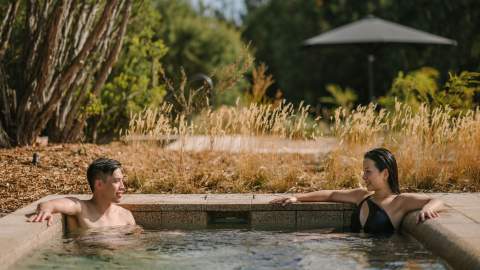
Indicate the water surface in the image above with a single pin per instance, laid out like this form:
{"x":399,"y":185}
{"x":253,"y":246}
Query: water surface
{"x":230,"y":249}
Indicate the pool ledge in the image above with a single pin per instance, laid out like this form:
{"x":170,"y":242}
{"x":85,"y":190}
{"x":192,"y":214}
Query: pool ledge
{"x":18,"y":237}
{"x":455,"y":236}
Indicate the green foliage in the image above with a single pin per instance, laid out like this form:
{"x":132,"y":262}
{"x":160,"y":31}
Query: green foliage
{"x":94,"y":107}
{"x":205,"y":45}
{"x":170,"y":36}
{"x":134,"y":82}
{"x":278,"y":28}
{"x":339,"y":97}
{"x":422,"y":87}
{"x":460,"y":90}
{"x":419,"y":86}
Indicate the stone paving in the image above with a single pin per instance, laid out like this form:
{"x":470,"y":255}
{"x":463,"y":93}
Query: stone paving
{"x":455,"y":236}
{"x":255,"y":144}
{"x":466,"y":221}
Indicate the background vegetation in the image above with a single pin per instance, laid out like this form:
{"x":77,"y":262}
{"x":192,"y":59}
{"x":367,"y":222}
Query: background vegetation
{"x":278,"y":28}
{"x":141,"y":79}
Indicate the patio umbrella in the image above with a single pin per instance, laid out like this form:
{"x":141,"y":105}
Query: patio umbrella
{"x":373,"y":32}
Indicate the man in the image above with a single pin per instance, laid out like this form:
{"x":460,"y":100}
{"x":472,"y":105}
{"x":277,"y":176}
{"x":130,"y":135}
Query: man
{"x":105,"y":179}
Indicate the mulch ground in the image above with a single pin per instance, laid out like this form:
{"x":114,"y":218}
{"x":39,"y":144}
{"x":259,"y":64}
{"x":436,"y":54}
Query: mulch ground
{"x":61,"y":170}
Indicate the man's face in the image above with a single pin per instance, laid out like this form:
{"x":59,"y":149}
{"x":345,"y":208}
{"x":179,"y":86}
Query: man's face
{"x":112,"y":187}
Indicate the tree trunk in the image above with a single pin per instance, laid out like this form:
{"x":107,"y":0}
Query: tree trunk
{"x":66,"y":50}
{"x":6,"y":102}
{"x":69,"y":127}
{"x":4,"y":138}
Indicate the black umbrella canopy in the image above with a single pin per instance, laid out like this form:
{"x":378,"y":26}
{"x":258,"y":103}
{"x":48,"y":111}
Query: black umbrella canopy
{"x":376,"y":30}
{"x":371,"y":32}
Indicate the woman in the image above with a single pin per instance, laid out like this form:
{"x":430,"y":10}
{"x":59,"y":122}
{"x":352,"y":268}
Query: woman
{"x":380,"y":207}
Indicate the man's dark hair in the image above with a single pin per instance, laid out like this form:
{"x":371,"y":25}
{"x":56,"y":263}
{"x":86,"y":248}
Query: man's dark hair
{"x":100,"y":169}
{"x":384,"y":159}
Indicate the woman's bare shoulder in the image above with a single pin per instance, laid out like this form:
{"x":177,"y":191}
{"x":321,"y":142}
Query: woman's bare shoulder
{"x":350,"y":195}
{"x":412,"y":196}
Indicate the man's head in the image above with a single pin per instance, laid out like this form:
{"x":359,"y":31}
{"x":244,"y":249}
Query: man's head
{"x":105,"y":177}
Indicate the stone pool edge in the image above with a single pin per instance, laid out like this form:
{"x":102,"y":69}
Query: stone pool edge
{"x":438,"y":237}
{"x":17,"y":237}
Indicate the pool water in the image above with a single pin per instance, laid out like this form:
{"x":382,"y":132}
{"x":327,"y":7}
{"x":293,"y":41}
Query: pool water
{"x":230,"y":249}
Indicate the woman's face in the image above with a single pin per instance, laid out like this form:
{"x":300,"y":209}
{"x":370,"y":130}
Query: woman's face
{"x":374,"y":179}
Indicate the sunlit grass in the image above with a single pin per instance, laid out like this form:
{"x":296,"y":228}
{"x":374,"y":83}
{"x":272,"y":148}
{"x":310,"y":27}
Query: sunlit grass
{"x":436,"y":149}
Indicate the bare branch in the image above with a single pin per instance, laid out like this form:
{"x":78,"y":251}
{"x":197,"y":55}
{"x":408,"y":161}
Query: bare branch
{"x":113,"y":56}
{"x":74,"y":130}
{"x":5,"y":140}
{"x":68,"y":112}
{"x":7,"y":25}
{"x":4,"y":105}
{"x":67,"y":77}
{"x":49,"y":51}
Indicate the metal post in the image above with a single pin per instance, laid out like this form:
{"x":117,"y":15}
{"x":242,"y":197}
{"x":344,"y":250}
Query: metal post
{"x":371,"y":92}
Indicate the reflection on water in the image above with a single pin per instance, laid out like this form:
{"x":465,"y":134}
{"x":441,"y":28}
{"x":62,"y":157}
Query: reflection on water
{"x":131,"y":247}
{"x":110,"y":238}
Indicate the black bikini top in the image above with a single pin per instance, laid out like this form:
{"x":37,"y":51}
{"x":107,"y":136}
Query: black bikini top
{"x":377,"y":221}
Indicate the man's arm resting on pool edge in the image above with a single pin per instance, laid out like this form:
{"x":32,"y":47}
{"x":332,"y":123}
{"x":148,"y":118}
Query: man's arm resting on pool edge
{"x":68,"y":206}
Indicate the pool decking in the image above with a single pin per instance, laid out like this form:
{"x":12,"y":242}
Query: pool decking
{"x":455,"y":236}
{"x":254,"y":144}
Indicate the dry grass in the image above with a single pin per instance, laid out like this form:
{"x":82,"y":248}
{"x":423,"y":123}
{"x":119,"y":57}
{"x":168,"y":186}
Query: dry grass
{"x":282,"y":120}
{"x":435,"y":150}
{"x":260,"y":84}
{"x":154,"y":170}
{"x":185,"y":172}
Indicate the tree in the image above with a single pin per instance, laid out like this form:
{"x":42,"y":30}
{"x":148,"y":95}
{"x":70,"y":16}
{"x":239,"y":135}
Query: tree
{"x":199,"y":44}
{"x":55,"y":56}
{"x":135,"y":82}
{"x":277,"y":29}
{"x":163,"y":35}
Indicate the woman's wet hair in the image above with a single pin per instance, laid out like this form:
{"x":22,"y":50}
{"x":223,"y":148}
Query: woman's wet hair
{"x":100,"y":169}
{"x":384,"y":159}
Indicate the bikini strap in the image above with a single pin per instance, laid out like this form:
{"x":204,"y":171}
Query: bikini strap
{"x":366,"y":198}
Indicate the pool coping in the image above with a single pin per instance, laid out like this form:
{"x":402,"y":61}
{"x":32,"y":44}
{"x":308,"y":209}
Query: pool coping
{"x":455,"y":235}
{"x":458,"y":247}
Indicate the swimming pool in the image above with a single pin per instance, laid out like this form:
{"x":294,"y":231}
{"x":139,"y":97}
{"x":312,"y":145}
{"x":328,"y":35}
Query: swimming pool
{"x":230,"y":249}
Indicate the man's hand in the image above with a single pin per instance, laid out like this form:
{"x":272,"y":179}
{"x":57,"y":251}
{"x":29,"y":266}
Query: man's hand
{"x":284,"y":201}
{"x":41,"y":214}
{"x":425,"y":214}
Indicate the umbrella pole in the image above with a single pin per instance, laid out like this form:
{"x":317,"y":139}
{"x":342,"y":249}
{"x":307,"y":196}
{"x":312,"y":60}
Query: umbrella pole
{"x":371,"y":59}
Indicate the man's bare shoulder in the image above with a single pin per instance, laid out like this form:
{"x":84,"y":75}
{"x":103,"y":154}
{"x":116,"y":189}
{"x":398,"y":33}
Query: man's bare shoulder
{"x":77,"y":200}
{"x":84,"y":204}
{"x":125,"y":214}
{"x":122,"y":210}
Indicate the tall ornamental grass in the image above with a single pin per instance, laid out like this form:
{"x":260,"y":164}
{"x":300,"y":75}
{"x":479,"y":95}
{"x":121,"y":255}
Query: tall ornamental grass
{"x":437,"y":149}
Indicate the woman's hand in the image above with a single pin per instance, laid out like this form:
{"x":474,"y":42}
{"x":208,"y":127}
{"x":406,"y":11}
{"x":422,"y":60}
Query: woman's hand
{"x":425,"y":214}
{"x":284,"y":201}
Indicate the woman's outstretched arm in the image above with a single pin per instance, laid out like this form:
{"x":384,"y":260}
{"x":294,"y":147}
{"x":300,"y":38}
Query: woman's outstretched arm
{"x":346,"y":196}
